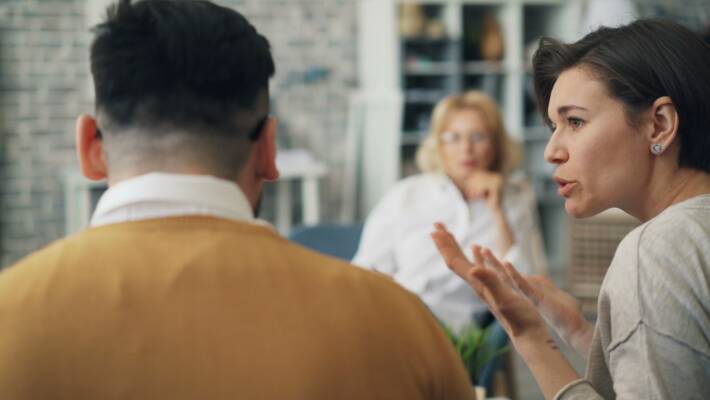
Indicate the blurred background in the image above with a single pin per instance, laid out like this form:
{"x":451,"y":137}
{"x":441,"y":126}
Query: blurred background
{"x":355,"y":84}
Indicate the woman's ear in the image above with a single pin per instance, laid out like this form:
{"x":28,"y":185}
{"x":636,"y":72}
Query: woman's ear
{"x":664,"y":119}
{"x":89,"y":148}
{"x":266,"y":154}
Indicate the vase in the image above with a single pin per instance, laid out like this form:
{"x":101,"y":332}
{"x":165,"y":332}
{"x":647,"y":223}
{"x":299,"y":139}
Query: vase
{"x":436,"y":29}
{"x":412,"y":20}
{"x":492,"y":39}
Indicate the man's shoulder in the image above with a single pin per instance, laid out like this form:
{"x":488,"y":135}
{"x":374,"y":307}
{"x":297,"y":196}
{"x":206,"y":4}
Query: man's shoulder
{"x":42,"y":257}
{"x":351,"y":289}
{"x":219,"y":244}
{"x":340,"y":276}
{"x":25,"y":279}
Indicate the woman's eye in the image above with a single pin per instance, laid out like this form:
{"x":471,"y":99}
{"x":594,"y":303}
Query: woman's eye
{"x":575,"y":123}
{"x":450,"y":137}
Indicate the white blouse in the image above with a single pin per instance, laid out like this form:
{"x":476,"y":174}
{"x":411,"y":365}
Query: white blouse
{"x":396,"y":239}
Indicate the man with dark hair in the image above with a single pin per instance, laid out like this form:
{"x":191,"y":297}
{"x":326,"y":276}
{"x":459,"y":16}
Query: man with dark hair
{"x":176,"y":291}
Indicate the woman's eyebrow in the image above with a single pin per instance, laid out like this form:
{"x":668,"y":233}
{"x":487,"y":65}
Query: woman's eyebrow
{"x":562,"y":110}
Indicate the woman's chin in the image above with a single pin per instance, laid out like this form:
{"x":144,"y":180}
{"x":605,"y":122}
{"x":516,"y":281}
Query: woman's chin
{"x":571,"y":210}
{"x":466,"y":171}
{"x":576,"y":210}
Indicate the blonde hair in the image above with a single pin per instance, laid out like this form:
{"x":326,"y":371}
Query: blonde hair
{"x":507,"y":152}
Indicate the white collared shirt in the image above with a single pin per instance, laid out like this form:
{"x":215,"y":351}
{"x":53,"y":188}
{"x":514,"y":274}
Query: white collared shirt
{"x":396,"y":239}
{"x":160,"y":195}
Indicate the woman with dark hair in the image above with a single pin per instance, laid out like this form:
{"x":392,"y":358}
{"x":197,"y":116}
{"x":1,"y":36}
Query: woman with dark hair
{"x":630,"y":117}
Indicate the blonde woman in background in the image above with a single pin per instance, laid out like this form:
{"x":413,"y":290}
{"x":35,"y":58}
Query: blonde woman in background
{"x":467,"y":183}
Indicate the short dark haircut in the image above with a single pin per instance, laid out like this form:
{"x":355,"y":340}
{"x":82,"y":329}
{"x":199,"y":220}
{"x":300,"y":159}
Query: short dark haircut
{"x":189,"y":65}
{"x":638,"y":63}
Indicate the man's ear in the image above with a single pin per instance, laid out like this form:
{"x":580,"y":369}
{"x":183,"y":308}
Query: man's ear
{"x":89,"y":148}
{"x":664,"y":122}
{"x":266,"y":151}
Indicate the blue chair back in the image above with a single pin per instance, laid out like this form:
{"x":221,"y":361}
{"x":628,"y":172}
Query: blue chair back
{"x":333,"y":239}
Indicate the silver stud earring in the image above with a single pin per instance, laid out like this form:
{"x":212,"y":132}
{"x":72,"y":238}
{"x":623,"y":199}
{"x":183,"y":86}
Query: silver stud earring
{"x":656,"y":148}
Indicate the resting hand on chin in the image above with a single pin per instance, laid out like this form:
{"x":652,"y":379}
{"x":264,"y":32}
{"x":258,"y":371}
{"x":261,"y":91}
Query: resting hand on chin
{"x":485,"y":185}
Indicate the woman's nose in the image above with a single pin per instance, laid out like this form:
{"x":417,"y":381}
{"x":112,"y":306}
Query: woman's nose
{"x":555,"y":153}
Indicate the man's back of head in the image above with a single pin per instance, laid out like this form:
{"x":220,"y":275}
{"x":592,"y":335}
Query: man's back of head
{"x":179,"y":83}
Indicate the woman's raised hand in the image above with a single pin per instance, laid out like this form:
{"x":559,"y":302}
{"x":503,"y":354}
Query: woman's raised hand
{"x":486,"y":275}
{"x":518,"y":302}
{"x":493,"y":282}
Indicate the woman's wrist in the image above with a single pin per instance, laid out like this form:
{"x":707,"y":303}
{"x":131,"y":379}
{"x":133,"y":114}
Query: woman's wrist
{"x":531,"y":338}
{"x":500,"y":218}
{"x":506,"y":239}
{"x":551,"y":369}
{"x":581,"y":337}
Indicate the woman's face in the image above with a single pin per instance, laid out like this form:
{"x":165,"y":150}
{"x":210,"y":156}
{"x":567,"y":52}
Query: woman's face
{"x":466,"y":144}
{"x":602,"y":161}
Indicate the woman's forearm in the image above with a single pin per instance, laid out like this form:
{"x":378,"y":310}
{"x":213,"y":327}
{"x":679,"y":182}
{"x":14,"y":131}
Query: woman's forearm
{"x":506,"y":239}
{"x":551,"y":369}
{"x":571,"y":327}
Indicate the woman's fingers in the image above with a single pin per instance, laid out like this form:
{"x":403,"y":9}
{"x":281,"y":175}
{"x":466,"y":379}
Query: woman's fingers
{"x":451,"y":252}
{"x":479,"y":288}
{"x":542,"y":281}
{"x":488,"y":278}
{"x":484,"y":258}
{"x":522,"y":283}
{"x":478,"y":256}
{"x":494,"y":263}
{"x":485,"y":278}
{"x":446,"y":244}
{"x":492,"y":282}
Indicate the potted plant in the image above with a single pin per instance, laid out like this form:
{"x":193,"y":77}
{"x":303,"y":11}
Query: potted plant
{"x":477,"y":348}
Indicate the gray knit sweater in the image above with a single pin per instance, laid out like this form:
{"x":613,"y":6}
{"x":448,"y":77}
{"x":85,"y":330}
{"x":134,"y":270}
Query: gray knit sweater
{"x":652,"y":337}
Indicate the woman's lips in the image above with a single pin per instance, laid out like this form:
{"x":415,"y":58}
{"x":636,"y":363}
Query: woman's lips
{"x":566,"y":187}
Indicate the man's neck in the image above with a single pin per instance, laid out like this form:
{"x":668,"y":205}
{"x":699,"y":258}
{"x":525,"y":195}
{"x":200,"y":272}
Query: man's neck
{"x":250,"y":187}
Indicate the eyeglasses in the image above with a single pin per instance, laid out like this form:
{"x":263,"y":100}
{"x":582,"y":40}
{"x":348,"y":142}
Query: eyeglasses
{"x":253,"y":134}
{"x":455,"y":138}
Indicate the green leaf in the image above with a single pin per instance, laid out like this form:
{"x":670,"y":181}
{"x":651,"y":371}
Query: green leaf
{"x":473,"y":347}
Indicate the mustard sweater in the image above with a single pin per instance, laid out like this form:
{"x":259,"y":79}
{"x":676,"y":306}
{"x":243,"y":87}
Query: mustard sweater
{"x":207,"y":308}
